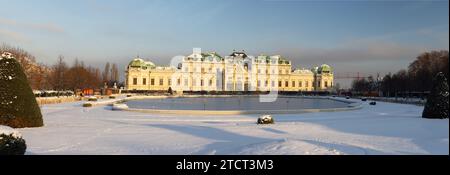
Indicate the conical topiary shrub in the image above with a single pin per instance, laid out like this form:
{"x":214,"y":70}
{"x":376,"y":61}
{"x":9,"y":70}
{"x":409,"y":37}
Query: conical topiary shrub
{"x":437,"y":101}
{"x":18,"y":106}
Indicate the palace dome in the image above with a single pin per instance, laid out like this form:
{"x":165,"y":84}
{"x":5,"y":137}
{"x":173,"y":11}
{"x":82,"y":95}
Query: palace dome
{"x":138,"y":62}
{"x":150,"y":64}
{"x":324,"y":68}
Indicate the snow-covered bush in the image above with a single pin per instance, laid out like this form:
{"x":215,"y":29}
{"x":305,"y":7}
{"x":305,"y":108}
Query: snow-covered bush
{"x":266,"y":119}
{"x":92,"y":98}
{"x":11,"y":142}
{"x":373,"y":103}
{"x":18,"y":106}
{"x":87,"y":105}
{"x":437,"y":102}
{"x":119,"y":106}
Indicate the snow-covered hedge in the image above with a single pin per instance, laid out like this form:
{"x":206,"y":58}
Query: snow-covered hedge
{"x":437,"y":104}
{"x":266,"y":119}
{"x":87,"y":105}
{"x":119,"y":106}
{"x":11,"y":142}
{"x":18,"y":105}
{"x":52,"y":93}
{"x":92,"y":99}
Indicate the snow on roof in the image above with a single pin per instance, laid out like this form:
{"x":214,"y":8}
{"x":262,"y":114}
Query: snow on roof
{"x":303,"y":71}
{"x":6,"y":130}
{"x":164,"y":68}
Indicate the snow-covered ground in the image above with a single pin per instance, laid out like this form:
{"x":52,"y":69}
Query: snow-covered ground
{"x":386,"y":128}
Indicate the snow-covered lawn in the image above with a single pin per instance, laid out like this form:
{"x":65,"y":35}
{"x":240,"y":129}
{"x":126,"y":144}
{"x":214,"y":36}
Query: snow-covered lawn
{"x":386,"y":128}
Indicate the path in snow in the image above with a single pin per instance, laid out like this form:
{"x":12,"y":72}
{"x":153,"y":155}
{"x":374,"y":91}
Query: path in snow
{"x":386,"y":128}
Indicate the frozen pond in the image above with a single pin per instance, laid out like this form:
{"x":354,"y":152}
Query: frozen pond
{"x":235,"y":103}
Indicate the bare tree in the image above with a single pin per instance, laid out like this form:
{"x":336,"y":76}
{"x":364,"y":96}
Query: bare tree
{"x":59,"y":74}
{"x":35,"y":72}
{"x":106,"y":71}
{"x":418,"y":78}
{"x":114,"y":73}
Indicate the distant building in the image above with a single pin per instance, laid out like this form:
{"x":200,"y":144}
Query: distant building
{"x":237,"y":72}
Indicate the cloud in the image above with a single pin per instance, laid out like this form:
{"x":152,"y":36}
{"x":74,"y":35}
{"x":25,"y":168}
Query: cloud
{"x":389,"y":51}
{"x":15,"y":36}
{"x":48,"y":27}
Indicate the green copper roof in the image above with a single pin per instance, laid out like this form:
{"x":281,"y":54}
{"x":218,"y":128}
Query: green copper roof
{"x":211,"y":56}
{"x":138,"y":62}
{"x":325,"y":68}
{"x":263,"y":58}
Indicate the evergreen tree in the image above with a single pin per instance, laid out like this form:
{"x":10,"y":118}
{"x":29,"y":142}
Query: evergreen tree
{"x":437,"y":102}
{"x":18,"y":106}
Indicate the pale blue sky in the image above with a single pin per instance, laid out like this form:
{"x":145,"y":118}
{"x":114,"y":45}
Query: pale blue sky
{"x":365,"y":36}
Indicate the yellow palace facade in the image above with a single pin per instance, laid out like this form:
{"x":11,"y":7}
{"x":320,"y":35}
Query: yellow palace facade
{"x":236,"y":72}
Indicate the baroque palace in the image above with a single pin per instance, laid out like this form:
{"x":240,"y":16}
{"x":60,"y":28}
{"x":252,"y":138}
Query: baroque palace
{"x":236,"y":72}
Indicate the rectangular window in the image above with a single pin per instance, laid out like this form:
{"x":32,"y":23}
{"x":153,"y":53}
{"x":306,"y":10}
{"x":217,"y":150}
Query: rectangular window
{"x":293,"y":83}
{"x":201,"y":83}
{"x":307,"y":83}
{"x":286,"y":84}
{"x":259,"y":83}
{"x":203,"y":70}
{"x":300,"y":84}
{"x":326,"y":84}
{"x":210,"y":82}
{"x":266,"y":83}
{"x":169,"y":82}
{"x":134,"y":81}
{"x":144,"y":81}
{"x":178,"y":81}
{"x":161,"y":81}
{"x":280,"y":84}
{"x":152,"y":81}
